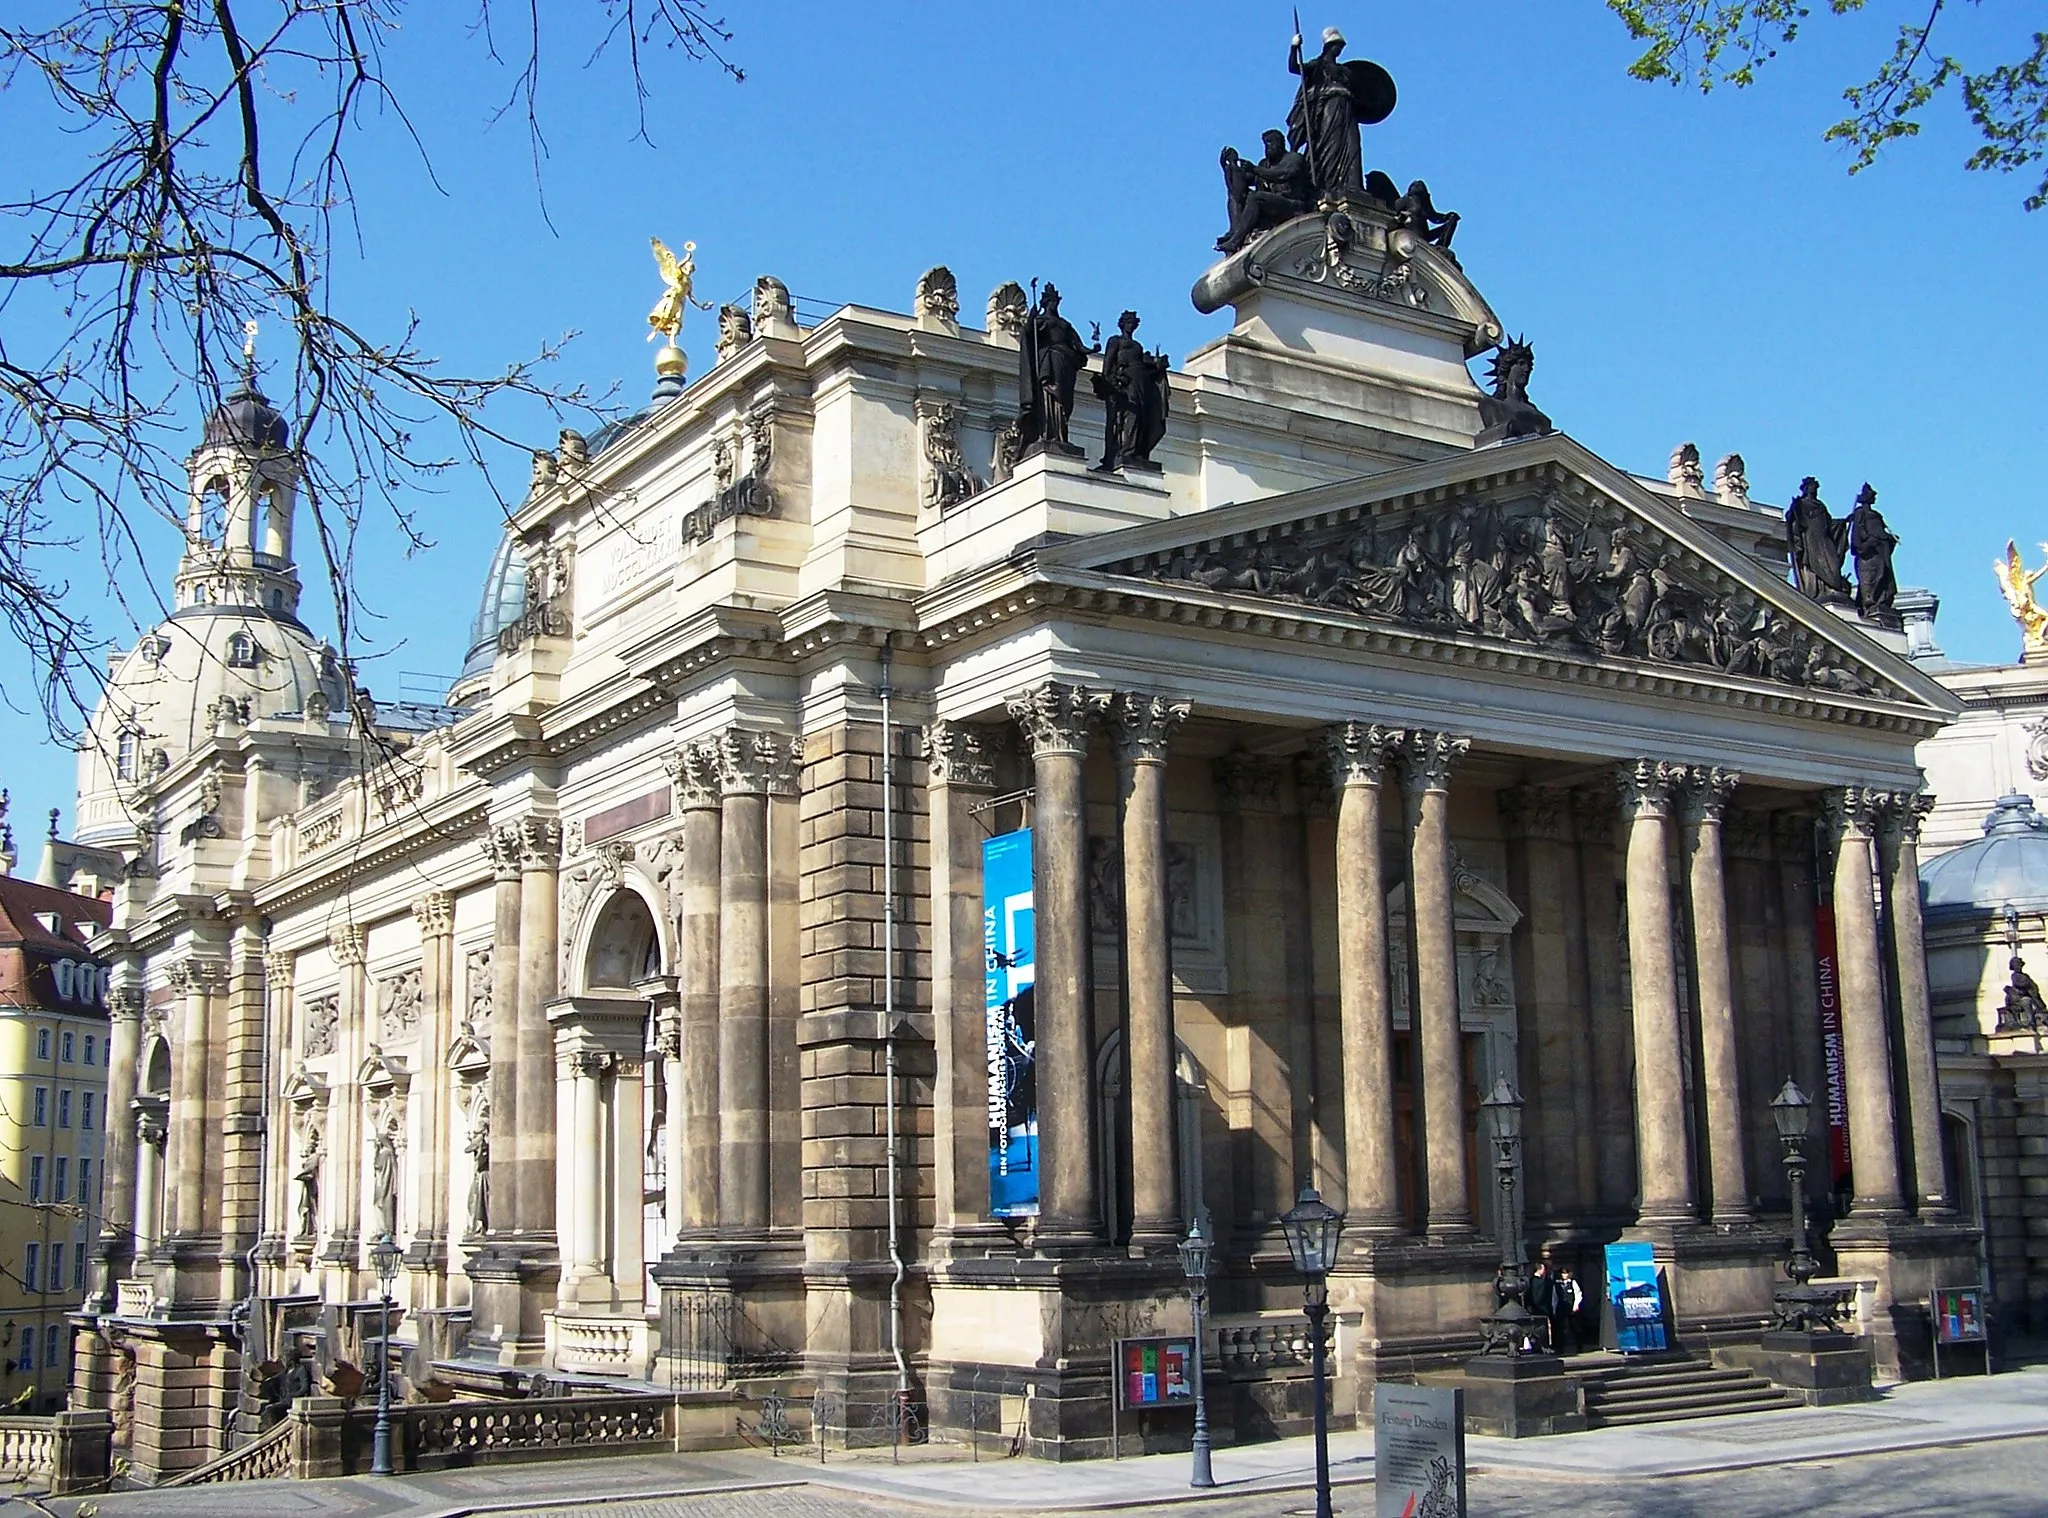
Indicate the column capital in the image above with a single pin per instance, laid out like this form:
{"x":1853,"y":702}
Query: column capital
{"x":1428,"y":758}
{"x":961,"y":754}
{"x":1708,"y":788}
{"x":1593,"y":810}
{"x":1247,"y":783}
{"x":278,"y":970}
{"x":501,"y":848}
{"x":756,"y":761}
{"x":125,"y":1003}
{"x":151,"y":1123}
{"x":693,"y":771}
{"x":1792,"y":833}
{"x":197,"y":973}
{"x":1747,"y":834}
{"x":1358,"y":751}
{"x":540,"y":843}
{"x":1903,"y":813}
{"x":435,"y":914}
{"x":1143,"y":725}
{"x":1535,"y":811}
{"x":1648,"y":787}
{"x":1854,"y":811}
{"x":1056,"y":716}
{"x":590,"y":1063}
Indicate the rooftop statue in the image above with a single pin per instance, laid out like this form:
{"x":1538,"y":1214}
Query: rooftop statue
{"x":1416,"y":212}
{"x":1133,"y":388}
{"x":1265,"y":194}
{"x":1336,"y":96}
{"x":1817,"y":543}
{"x":677,"y":274}
{"x":2018,"y":584}
{"x":1508,"y":414}
{"x":1051,"y":357}
{"x":1871,"y":542}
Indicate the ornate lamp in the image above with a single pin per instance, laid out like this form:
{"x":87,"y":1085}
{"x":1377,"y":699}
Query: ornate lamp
{"x":1801,"y":1307}
{"x":384,"y":1256}
{"x":1195,"y":1251}
{"x":1312,"y":1227}
{"x":1510,"y":1328}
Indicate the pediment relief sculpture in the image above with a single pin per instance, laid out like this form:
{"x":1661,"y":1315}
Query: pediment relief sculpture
{"x":1544,"y":571}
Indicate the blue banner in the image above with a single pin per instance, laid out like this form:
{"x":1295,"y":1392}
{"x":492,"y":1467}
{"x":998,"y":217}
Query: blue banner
{"x":1637,"y":1297}
{"x":1007,"y":937}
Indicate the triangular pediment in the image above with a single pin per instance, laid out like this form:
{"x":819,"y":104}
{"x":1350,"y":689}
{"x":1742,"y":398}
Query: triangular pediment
{"x":1536,"y":548}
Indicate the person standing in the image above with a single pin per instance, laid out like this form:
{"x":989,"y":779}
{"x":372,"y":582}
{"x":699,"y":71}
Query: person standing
{"x":1542,"y":1300}
{"x":1568,"y":1302}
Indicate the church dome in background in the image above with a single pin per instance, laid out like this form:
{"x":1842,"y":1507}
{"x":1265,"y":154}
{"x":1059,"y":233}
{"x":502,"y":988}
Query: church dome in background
{"x":502,"y":604}
{"x":2007,"y":866}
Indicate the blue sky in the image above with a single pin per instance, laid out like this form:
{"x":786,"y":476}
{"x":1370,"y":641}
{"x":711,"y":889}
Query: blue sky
{"x":1687,"y":267}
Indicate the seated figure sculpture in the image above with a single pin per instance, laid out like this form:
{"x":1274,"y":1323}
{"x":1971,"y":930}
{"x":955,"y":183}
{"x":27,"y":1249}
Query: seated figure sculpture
{"x":1265,"y":194}
{"x":1418,"y":214}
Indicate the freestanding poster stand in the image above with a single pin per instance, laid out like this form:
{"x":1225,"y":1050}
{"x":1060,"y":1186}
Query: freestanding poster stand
{"x":1958,"y":1314}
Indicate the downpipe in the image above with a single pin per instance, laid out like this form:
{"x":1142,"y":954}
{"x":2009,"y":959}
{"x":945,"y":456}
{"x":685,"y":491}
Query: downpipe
{"x":899,"y":1271}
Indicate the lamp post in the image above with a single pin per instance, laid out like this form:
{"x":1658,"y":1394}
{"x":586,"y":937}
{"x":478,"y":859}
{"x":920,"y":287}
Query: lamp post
{"x":1801,"y":1307}
{"x":1510,"y":1326}
{"x":1194,"y":1262}
{"x":1312,"y":1227}
{"x":384,"y":1255}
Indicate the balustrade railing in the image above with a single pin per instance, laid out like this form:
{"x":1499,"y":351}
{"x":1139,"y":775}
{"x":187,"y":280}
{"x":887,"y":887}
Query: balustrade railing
{"x":265,"y":1458}
{"x":1246,"y":1346}
{"x":28,"y":1448}
{"x":434,"y":1435}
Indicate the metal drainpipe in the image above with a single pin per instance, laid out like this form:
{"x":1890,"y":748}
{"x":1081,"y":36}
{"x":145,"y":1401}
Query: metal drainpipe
{"x":889,"y":1027}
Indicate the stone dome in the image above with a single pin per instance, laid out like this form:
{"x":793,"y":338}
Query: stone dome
{"x":503,"y":603}
{"x":2009,"y":864}
{"x":160,"y":696}
{"x":248,"y":419}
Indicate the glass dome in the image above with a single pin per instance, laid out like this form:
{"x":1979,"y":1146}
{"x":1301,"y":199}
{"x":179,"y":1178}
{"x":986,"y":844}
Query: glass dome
{"x":2008,"y":865}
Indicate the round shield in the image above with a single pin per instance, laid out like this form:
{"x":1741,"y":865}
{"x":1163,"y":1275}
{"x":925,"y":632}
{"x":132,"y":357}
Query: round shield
{"x":1372,"y":91}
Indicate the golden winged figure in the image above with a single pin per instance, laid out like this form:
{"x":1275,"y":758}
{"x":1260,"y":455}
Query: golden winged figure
{"x":2018,"y":585}
{"x":677,"y":273}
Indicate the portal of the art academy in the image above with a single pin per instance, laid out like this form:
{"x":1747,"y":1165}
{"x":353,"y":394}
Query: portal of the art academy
{"x":934,"y":810}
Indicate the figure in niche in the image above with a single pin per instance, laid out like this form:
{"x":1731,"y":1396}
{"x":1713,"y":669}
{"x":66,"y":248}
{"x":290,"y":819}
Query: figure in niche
{"x":1334,"y":99}
{"x":1265,"y":194}
{"x":1133,"y":388}
{"x":1507,"y":413}
{"x":384,"y":1180}
{"x":1817,"y":543}
{"x":1418,"y":214}
{"x":308,"y":1177}
{"x":1051,"y":358}
{"x":479,"y":1148}
{"x":1871,"y":543}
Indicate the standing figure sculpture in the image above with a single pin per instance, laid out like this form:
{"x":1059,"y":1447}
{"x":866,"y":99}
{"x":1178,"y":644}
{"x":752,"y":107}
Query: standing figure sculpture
{"x":2017,"y":582}
{"x":1050,"y":358}
{"x":678,"y":275}
{"x":1133,"y":388}
{"x":1871,"y":543}
{"x":1817,"y":543}
{"x":1334,"y":99}
{"x":1265,"y":194}
{"x":384,"y":1180}
{"x":308,"y":1177}
{"x":479,"y":1147}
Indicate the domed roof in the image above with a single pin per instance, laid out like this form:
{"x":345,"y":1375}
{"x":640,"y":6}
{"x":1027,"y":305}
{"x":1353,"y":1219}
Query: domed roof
{"x":2009,"y":864}
{"x":159,"y":696}
{"x":503,"y":603}
{"x":247,"y":418}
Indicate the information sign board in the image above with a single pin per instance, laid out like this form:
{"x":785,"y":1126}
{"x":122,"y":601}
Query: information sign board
{"x":1636,"y":1295}
{"x":1155,"y":1372}
{"x":1418,"y":1451}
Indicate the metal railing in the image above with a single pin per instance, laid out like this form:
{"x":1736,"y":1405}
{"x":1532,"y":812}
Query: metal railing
{"x":709,"y":1343}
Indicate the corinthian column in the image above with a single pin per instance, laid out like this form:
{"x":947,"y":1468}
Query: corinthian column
{"x":117,"y":1170}
{"x":540,"y":863}
{"x":345,"y":1216}
{"x":752,"y":763}
{"x":1854,"y":813}
{"x":501,"y":845}
{"x":1055,"y":719}
{"x":1372,"y":1188}
{"x":693,"y":1114}
{"x":1899,"y":840}
{"x":1427,"y":760}
{"x":1706,"y":798}
{"x":1144,"y":726}
{"x":427,"y":1250}
{"x":1647,"y":790}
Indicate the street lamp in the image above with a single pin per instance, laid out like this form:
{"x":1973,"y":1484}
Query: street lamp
{"x":1510,"y":1326}
{"x":384,"y":1255}
{"x":1194,"y":1263}
{"x":1312,"y":1227}
{"x":1801,"y":1308}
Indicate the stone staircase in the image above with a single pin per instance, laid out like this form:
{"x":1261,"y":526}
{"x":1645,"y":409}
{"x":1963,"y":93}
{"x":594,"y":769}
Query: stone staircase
{"x":1621,"y":1392}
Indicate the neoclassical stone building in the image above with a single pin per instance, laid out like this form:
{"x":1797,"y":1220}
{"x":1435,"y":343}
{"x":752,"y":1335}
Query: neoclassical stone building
{"x":646,"y":985}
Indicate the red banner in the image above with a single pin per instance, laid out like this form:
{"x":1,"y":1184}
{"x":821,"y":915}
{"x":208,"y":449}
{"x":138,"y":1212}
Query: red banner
{"x":1825,"y":965}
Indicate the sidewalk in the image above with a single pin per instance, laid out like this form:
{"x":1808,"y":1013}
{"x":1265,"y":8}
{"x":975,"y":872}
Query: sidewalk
{"x":1920,"y":1415}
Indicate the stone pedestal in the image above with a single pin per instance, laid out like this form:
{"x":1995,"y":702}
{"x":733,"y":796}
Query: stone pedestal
{"x":1721,"y":1278}
{"x":512,"y":1289}
{"x":1822,"y":1368}
{"x":1908,"y":1259}
{"x":1520,"y":1396}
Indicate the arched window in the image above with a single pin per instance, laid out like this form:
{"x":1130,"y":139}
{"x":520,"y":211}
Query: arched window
{"x":241,"y":651}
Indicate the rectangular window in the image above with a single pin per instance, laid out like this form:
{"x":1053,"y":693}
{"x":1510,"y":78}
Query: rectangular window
{"x":85,"y":1110}
{"x":28,"y":1348}
{"x":52,"y":1342}
{"x":69,"y":1045}
{"x":56,"y":1281}
{"x":35,"y":1178}
{"x":31,"y":1266}
{"x":78,"y":1267}
{"x":42,"y":1043}
{"x":63,"y":1109}
{"x":60,"y":1180}
{"x":85,"y":1180}
{"x":89,"y":1042}
{"x":42,"y":1107}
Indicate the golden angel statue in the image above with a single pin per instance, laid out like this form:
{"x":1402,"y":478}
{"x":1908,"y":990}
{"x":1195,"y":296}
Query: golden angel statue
{"x":2018,"y":585}
{"x":677,"y":273}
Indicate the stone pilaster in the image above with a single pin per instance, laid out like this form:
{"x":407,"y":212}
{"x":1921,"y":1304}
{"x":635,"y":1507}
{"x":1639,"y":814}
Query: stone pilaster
{"x":1854,"y":814}
{"x":1056,"y":719}
{"x":1906,"y":959}
{"x":279,"y":976}
{"x":1358,"y":757}
{"x":343,"y":1246}
{"x":694,"y":1152}
{"x":1648,"y":790}
{"x":1427,"y":760}
{"x":1605,"y":1005}
{"x":1143,"y":726}
{"x":240,"y":1119}
{"x":540,"y":863}
{"x":115,"y":1248}
{"x":426,"y":1253}
{"x":1704,"y":800}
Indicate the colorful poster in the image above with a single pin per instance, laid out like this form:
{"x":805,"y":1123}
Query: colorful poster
{"x":1959,"y":1314}
{"x":1155,"y":1372}
{"x":1825,"y":967}
{"x":1007,"y":968}
{"x":1637,"y":1297}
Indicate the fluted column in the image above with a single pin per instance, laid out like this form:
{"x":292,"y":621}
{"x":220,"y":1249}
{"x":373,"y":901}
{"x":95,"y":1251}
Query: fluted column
{"x":1427,"y":760}
{"x":1055,"y":718}
{"x":959,"y":773}
{"x":752,"y":764}
{"x":501,"y":845}
{"x":1372,"y":1186}
{"x":346,"y":943}
{"x":117,"y":1170}
{"x":197,"y":982}
{"x":540,"y":863}
{"x":434,"y":915}
{"x":693,"y":1147}
{"x":1854,"y":813}
{"x":279,"y":973}
{"x":1899,"y":840}
{"x":1665,"y":1177}
{"x":1707,"y":791}
{"x":582,"y":1087}
{"x":1143,"y":727}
